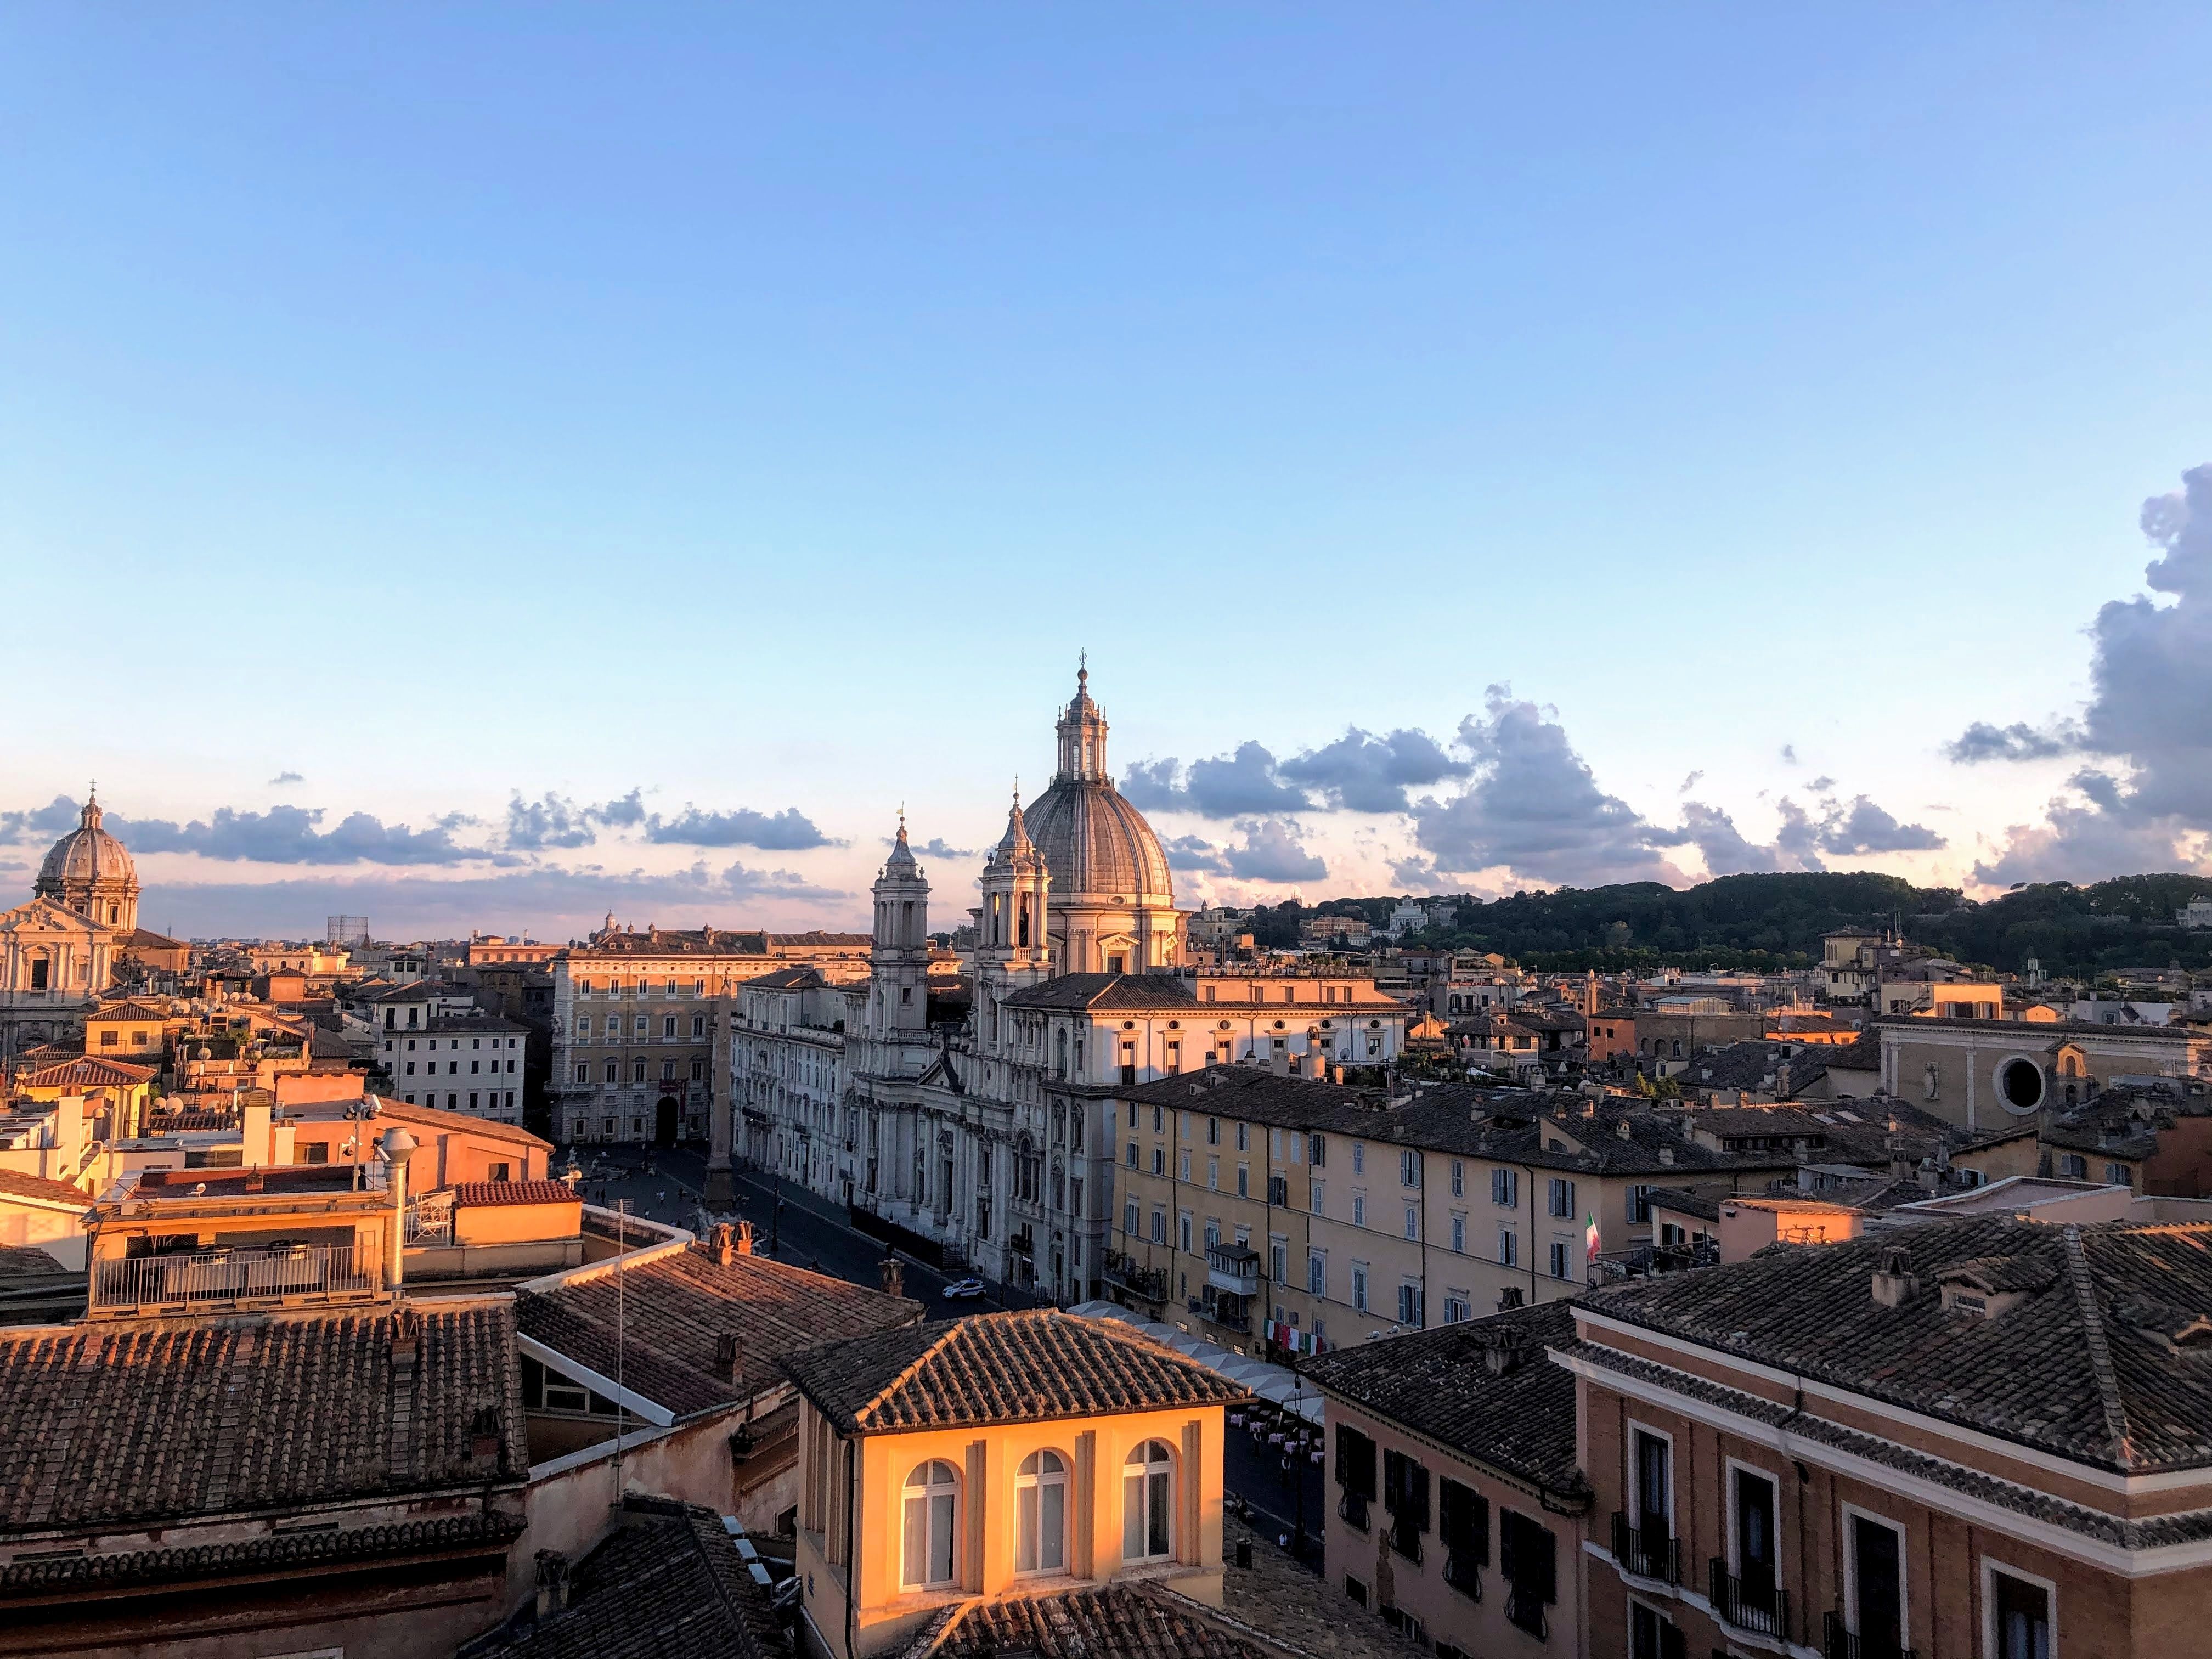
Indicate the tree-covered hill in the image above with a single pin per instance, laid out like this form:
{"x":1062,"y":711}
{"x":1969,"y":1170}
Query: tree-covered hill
{"x":1771,"y":922}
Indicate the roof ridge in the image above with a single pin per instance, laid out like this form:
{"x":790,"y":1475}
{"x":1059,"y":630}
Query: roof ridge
{"x":905,"y":1371}
{"x":2100,"y":1354}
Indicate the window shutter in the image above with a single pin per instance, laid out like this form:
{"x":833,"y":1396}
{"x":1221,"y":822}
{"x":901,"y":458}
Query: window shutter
{"x":1541,"y":1550}
{"x":1478,"y":1530}
{"x":1509,"y":1547}
{"x":1343,"y":1456}
{"x":1671,"y":1645}
{"x":1417,"y":1496}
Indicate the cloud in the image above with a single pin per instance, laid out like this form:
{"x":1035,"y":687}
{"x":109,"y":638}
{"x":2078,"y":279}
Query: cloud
{"x":1821,"y":786}
{"x":551,"y":902}
{"x":549,"y":821}
{"x":1865,"y":827}
{"x":1727,"y":850}
{"x":55,"y":818}
{"x":788,"y":831}
{"x":2149,"y":717}
{"x":1361,"y":772}
{"x":1273,"y":852}
{"x":282,"y":778}
{"x":1535,"y":807}
{"x":289,"y":835}
{"x":1689,"y":783}
{"x":1790,"y":753}
{"x":1227,"y":787}
{"x":1196,"y":852}
{"x":2020,"y":741}
{"x":934,"y":848}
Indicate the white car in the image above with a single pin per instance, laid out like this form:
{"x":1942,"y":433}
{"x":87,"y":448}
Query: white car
{"x":964,"y":1290}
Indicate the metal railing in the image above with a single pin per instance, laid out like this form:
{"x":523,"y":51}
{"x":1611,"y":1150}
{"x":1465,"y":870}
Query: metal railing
{"x":1524,"y":1611}
{"x":1755,"y":1603}
{"x":1465,"y":1577}
{"x":293,"y":1272}
{"x":1352,"y":1509}
{"x":1406,"y":1538}
{"x":1838,"y":1642}
{"x":1646,"y":1552}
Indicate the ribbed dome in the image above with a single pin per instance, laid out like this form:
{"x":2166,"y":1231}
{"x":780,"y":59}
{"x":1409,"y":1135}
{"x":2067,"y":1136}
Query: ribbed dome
{"x":1095,"y":843}
{"x":86,"y":854}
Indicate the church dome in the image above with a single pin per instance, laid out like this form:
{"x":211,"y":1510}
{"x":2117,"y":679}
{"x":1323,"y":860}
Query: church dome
{"x":1094,"y":843}
{"x":87,"y":855}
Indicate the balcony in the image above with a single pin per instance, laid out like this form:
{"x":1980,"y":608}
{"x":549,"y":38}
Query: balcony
{"x":1526,"y":1611}
{"x":1234,"y":1269}
{"x":1231,"y":1318}
{"x":1148,"y":1283}
{"x":1352,"y":1508}
{"x":1645,"y":1552}
{"x":1463,"y":1575}
{"x":1756,"y":1603}
{"x":217,"y":1279}
{"x":1836,"y":1643}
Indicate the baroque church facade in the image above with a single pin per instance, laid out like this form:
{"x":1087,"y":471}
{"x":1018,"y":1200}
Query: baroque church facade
{"x":60,"y":950}
{"x":991,"y":1138}
{"x":994,"y":1135}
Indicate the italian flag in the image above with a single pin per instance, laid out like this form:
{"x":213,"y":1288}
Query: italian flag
{"x":1589,"y":1236}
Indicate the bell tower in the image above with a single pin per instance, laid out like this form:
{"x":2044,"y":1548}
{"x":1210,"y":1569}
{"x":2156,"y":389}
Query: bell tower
{"x":1010,"y":930}
{"x":898,"y":961}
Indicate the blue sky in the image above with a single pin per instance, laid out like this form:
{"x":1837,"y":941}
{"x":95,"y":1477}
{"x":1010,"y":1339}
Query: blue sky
{"x":758,"y":411}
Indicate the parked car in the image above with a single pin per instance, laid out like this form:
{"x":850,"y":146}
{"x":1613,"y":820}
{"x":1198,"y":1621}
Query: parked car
{"x":964,"y":1290}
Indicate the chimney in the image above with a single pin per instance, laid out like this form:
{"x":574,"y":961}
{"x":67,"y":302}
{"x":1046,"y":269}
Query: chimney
{"x":893,"y":1276}
{"x":483,"y":1435}
{"x":729,"y":1358}
{"x":1894,"y":1284}
{"x":552,"y":1582}
{"x":722,"y":1244}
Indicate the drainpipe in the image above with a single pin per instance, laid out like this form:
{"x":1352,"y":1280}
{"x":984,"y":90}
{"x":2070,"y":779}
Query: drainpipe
{"x":393,"y":1149}
{"x":852,"y":1566}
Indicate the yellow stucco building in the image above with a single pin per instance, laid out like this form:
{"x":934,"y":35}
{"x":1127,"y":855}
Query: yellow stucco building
{"x":997,"y":1456}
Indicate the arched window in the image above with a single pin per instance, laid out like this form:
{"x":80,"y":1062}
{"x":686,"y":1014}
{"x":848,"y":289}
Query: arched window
{"x":1148,"y":1504}
{"x":1040,"y":1513}
{"x":933,"y":1503}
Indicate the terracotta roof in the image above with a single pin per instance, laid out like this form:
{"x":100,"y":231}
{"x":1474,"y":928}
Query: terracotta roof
{"x":1109,"y":991}
{"x":87,"y":1072}
{"x":2085,"y":1367}
{"x":277,"y":1553}
{"x":28,"y":1261}
{"x":674,"y":1307}
{"x":13,"y":1184}
{"x":111,"y":1424}
{"x":437,"y":1117}
{"x":786,"y":979}
{"x":1022,"y":1367}
{"x":667,"y":1581}
{"x":130,"y":1008}
{"x":473,"y":1193}
{"x":1439,"y":1382}
{"x":146,"y":939}
{"x":1112,"y":1621}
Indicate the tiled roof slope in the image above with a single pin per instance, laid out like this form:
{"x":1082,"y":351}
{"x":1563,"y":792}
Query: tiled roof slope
{"x":89,"y":1071}
{"x":2101,"y":1366}
{"x":1439,"y":1384}
{"x":1024,"y":1367}
{"x":668,"y":1580}
{"x":1111,"y":1622}
{"x":134,"y":1421}
{"x":675,"y":1306}
{"x":16,"y":1184}
{"x":1106,"y":991}
{"x":475,"y":1193}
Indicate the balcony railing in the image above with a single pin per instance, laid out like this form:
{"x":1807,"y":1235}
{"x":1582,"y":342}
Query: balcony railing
{"x":1836,"y":1643}
{"x":295,"y":1272}
{"x":1754,"y":1603}
{"x":1464,"y":1575}
{"x":1150,"y":1284}
{"x":1233,"y":1267}
{"x":1230,"y":1321}
{"x":1406,"y":1538}
{"x":1352,"y":1509}
{"x":1646,"y":1552}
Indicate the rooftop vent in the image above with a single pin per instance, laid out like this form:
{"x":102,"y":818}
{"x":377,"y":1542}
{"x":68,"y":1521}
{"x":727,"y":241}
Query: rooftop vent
{"x":1894,"y":1284}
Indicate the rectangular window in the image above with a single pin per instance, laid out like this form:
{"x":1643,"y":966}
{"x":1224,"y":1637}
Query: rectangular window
{"x":1558,"y":1258}
{"x":1214,"y":1132}
{"x":1413,"y":1221}
{"x":1458,"y":1307}
{"x":1160,"y":1160}
{"x":1160,"y":1226}
{"x":1314,"y":1194}
{"x":1504,"y":1188}
{"x":1243,"y":1180}
{"x":1355,"y":1472}
{"x":1409,"y":1168}
{"x":1756,"y":1553}
{"x":1316,"y":1273}
{"x":1130,"y":1218}
{"x":1359,"y":1286}
{"x":2020,"y":1617}
{"x":1875,"y":1562}
{"x":1184,"y":1167}
{"x":1639,"y":1204}
{"x":1527,"y":1560}
{"x":1359,"y":1157}
{"x":1405,"y":1496}
{"x":1508,"y":1247}
{"x":1459,"y":1234}
{"x":1213,"y":1174}
{"x":1278,"y":1261}
{"x":1563,"y":1197}
{"x":1360,"y":1209}
{"x":1182,"y":1232}
{"x":1463,"y":1529}
{"x":1315,"y":1148}
{"x":1244,"y":1137}
{"x":1459,"y":1178}
{"x":1409,"y":1304}
{"x":1131,"y":1155}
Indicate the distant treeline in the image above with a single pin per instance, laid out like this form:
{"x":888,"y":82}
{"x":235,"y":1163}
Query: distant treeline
{"x":1769,"y":922}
